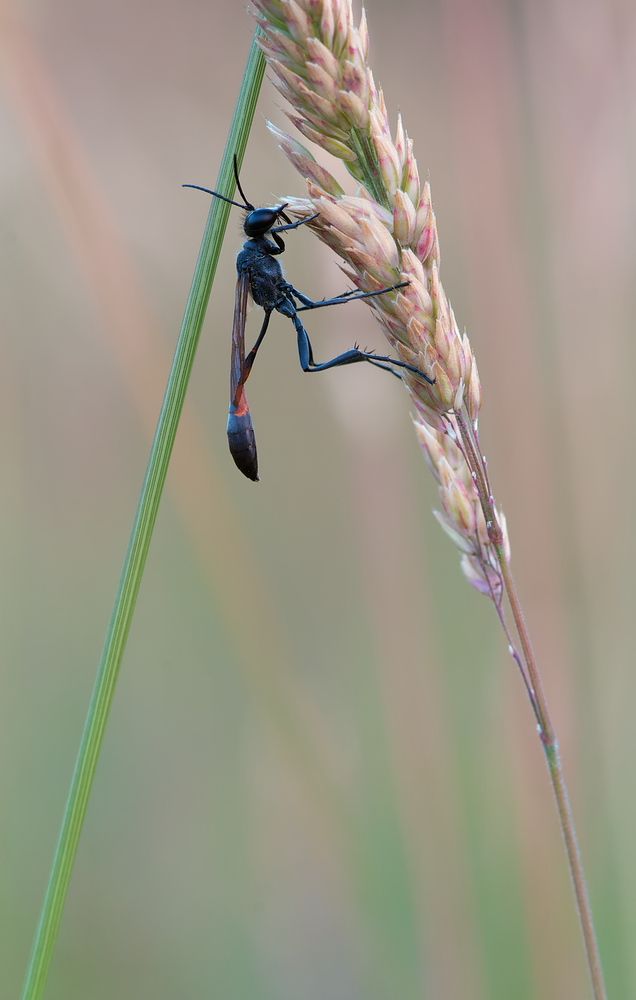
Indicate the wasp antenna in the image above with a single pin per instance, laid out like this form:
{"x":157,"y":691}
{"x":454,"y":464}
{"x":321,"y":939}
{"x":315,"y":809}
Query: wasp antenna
{"x":248,"y":205}
{"x":216,"y":194}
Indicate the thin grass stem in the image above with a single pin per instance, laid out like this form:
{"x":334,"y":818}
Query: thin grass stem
{"x":539,"y":703}
{"x":551,"y":748}
{"x":125,"y":600}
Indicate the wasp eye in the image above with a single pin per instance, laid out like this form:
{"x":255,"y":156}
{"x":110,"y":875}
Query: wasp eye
{"x":260,"y":221}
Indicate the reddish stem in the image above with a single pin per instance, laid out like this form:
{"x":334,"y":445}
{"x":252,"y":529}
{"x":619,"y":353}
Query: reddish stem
{"x":537,"y":697}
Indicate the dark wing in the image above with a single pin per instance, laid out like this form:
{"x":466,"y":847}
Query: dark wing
{"x":240,"y":432}
{"x":237,"y":362}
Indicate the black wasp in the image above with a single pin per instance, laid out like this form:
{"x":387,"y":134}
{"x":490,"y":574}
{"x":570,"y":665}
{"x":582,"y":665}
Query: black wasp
{"x":261,"y":276}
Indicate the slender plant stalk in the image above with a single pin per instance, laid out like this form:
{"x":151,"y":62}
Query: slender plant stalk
{"x":115,"y":643}
{"x":551,"y":748}
{"x":386,"y":234}
{"x":545,"y":728}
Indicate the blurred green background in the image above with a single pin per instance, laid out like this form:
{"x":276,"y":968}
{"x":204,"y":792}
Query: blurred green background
{"x":320,"y":777}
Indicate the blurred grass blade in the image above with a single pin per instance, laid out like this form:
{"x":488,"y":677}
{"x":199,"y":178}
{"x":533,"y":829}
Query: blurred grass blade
{"x":141,"y":535}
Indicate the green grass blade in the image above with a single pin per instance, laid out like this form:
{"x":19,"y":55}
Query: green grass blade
{"x":141,"y":535}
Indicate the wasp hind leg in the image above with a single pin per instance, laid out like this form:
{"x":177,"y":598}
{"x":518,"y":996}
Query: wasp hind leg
{"x":350,"y":357}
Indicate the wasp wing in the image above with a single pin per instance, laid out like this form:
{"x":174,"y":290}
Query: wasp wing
{"x":237,"y":363}
{"x":240,"y":431}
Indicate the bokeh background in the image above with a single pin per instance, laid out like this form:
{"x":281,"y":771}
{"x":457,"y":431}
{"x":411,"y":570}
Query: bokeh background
{"x":320,"y":777}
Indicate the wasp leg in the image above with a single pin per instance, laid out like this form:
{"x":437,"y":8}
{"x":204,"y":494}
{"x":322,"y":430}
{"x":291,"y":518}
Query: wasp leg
{"x":294,"y":225}
{"x":351,"y":357}
{"x":350,"y":296}
{"x":249,"y":358}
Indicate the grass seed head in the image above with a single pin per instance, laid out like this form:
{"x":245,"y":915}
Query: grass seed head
{"x":385,"y":234}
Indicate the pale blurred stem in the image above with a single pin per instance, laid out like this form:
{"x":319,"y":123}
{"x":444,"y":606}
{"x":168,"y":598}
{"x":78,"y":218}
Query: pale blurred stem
{"x":537,"y":697}
{"x":141,"y":534}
